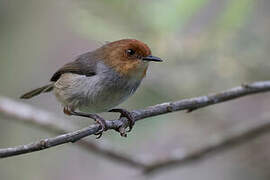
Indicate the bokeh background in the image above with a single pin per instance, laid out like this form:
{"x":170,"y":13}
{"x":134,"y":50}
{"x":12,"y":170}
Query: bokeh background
{"x":207,"y":45}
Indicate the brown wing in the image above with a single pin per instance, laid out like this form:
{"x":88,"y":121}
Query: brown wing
{"x":83,"y":65}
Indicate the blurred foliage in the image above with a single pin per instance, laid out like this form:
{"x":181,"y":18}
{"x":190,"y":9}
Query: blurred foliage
{"x":207,"y":45}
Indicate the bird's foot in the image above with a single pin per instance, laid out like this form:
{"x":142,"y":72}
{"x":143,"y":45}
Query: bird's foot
{"x":130,"y":118}
{"x":95,"y":117}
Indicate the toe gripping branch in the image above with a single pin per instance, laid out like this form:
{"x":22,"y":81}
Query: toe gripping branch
{"x":102,"y":122}
{"x":95,"y":117}
{"x":131,"y":121}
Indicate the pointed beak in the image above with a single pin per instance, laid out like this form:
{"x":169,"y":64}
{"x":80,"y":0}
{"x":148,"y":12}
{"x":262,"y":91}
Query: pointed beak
{"x":152,"y":58}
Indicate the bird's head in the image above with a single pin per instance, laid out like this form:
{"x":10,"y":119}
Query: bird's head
{"x":128,"y":57}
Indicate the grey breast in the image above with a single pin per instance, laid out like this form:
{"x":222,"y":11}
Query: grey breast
{"x":106,"y":89}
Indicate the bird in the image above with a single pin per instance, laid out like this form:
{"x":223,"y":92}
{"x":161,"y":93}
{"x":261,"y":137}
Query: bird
{"x":99,"y":80}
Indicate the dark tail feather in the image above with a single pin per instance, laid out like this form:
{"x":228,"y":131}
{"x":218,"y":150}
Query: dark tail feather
{"x":38,"y":91}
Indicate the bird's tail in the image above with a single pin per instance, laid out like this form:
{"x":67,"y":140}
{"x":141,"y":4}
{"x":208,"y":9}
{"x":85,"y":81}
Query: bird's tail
{"x":38,"y":91}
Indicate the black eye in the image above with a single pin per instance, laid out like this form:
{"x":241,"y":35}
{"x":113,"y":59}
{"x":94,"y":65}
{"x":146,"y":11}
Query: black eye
{"x":130,"y":52}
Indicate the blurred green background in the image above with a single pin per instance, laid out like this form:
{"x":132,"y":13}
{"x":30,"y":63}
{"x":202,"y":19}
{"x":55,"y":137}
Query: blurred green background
{"x":207,"y":45}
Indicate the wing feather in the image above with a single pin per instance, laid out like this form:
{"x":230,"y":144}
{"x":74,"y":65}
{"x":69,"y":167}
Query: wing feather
{"x":83,"y":65}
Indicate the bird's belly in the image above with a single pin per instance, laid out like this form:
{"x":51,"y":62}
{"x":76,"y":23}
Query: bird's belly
{"x":104,"y":100}
{"x":107,"y":94}
{"x":95,"y":94}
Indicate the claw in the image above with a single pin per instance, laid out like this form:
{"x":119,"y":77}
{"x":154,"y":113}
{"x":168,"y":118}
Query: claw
{"x":95,"y":117}
{"x":99,"y":134}
{"x":102,"y":123}
{"x":128,"y":115}
{"x":122,"y":131}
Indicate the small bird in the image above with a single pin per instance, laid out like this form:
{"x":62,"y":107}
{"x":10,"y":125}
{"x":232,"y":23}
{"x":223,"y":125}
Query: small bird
{"x":99,"y":80}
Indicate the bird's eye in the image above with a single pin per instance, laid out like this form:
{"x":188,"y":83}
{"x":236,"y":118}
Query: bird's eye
{"x":130,"y":52}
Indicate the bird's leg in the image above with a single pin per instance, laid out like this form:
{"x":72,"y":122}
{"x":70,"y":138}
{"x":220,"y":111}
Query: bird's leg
{"x":95,"y":117}
{"x":127,"y":114}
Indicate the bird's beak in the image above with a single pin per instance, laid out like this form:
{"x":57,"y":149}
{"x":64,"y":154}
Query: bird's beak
{"x":152,"y":58}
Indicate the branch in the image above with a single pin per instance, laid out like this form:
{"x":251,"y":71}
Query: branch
{"x":186,"y":104}
{"x":235,"y":137}
{"x":46,"y":121}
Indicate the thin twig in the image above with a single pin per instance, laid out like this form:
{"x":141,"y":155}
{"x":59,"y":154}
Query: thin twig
{"x":186,"y":104}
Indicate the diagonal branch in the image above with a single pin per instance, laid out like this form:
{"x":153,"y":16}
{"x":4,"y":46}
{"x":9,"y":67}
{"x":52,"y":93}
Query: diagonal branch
{"x":186,"y":104}
{"x":216,"y":144}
